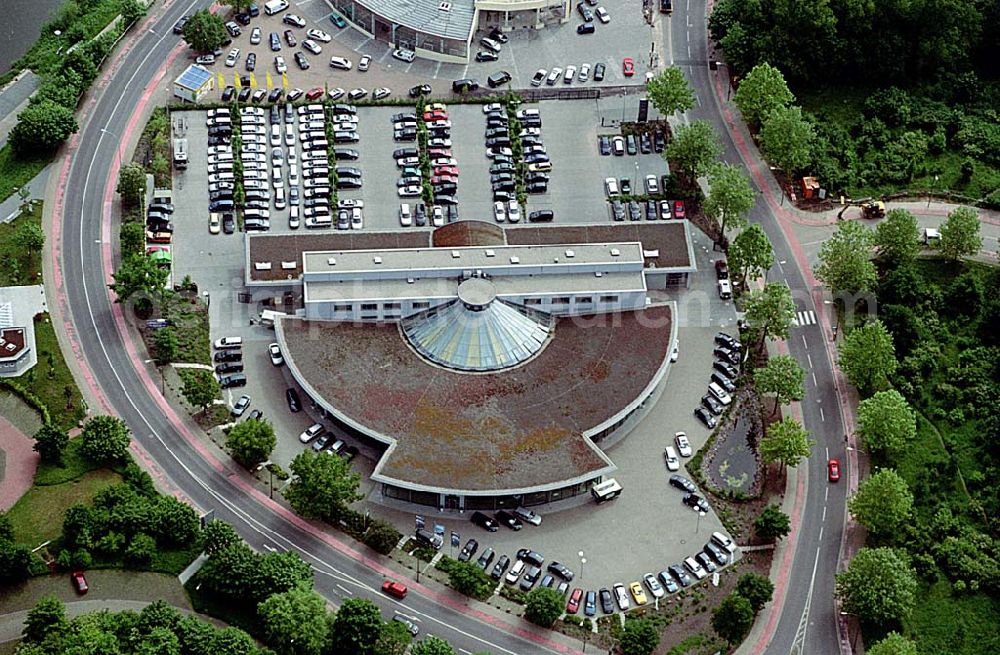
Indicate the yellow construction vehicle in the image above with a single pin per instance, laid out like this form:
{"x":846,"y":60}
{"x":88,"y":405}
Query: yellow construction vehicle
{"x":870,"y":208}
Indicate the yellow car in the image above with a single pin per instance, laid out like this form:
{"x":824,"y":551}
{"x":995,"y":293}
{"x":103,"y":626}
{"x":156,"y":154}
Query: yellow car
{"x":214,"y":223}
{"x":637,"y":593}
{"x":436,"y":106}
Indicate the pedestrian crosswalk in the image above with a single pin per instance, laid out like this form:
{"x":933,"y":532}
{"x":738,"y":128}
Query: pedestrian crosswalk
{"x":804,"y":318}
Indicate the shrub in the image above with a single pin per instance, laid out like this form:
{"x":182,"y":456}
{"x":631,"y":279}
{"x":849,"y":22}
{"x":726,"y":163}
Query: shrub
{"x":140,"y":551}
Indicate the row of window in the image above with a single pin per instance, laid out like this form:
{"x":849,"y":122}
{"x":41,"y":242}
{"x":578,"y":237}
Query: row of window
{"x":420,"y":305}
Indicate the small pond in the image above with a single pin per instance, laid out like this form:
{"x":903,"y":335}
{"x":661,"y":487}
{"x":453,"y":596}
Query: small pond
{"x":732,"y":464}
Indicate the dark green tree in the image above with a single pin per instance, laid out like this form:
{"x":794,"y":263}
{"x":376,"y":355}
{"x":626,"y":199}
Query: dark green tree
{"x":693,"y":149}
{"x":757,"y":589}
{"x":278,"y":572}
{"x":106,"y":439}
{"x":41,"y":128}
{"x":294,"y":621}
{"x":200,"y":387}
{"x":882,"y":502}
{"x":29,"y":237}
{"x":177,"y":523}
{"x":324,"y":486}
{"x":762,"y":91}
{"x":750,"y":254}
{"x":730,"y":197}
{"x":670,"y":92}
{"x":131,"y":183}
{"x":867,"y":357}
{"x":783,"y":377}
{"x":733,"y":618}
{"x":356,"y":628}
{"x":897,"y":238}
{"x":138,"y":274}
{"x":878,"y":586}
{"x":132,"y":238}
{"x":50,"y":442}
{"x":846,"y":259}
{"x":638,"y":637}
{"x":786,"y":139}
{"x":233,"y":641}
{"x":217,"y":536}
{"x":885,"y":422}
{"x":48,"y":616}
{"x":251,"y":442}
{"x":394,"y":639}
{"x":132,"y":11}
{"x":893,"y":644}
{"x":205,"y":32}
{"x":543,"y":605}
{"x":960,"y":234}
{"x":431,"y":645}
{"x":140,"y":551}
{"x":467,"y":578}
{"x":772,"y":524}
{"x":231,"y":571}
{"x":166,"y":343}
{"x":770,"y":311}
{"x":785,"y":442}
{"x":382,"y":537}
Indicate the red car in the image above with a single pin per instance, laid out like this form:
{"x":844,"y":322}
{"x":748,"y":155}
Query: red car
{"x":833,"y":470}
{"x":628,"y":67}
{"x":679,"y":210}
{"x":79,"y":582}
{"x":574,"y":601}
{"x":446,"y":170}
{"x":439,"y":152}
{"x":443,"y":179}
{"x":435,"y":116}
{"x":395,"y":589}
{"x":315,"y":93}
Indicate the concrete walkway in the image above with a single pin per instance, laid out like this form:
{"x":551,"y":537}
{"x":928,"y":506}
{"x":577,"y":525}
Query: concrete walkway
{"x":17,"y":464}
{"x":14,"y":98}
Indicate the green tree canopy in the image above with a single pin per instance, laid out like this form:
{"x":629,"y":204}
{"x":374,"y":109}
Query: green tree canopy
{"x":166,"y":343}
{"x":960,"y":234}
{"x":41,"y":128}
{"x":294,"y":622}
{"x":670,"y":92}
{"x":733,"y":618}
{"x":878,"y":586}
{"x":280,"y":571}
{"x":48,"y":616}
{"x":786,"y":140}
{"x":251,"y":442}
{"x":762,"y":91}
{"x":786,"y":442}
{"x":131,"y":183}
{"x":693,"y":149}
{"x":50,"y":442}
{"x":770,"y":311}
{"x":106,"y":439}
{"x":205,"y":32}
{"x":750,"y":254}
{"x":758,"y":589}
{"x":897,"y":237}
{"x":882,"y":502}
{"x":138,"y":274}
{"x":772,"y":524}
{"x":431,"y":645}
{"x":885,"y":422}
{"x":200,"y":387}
{"x":467,"y":578}
{"x":638,"y":637}
{"x":782,"y":377}
{"x":543,"y":605}
{"x":325,"y":485}
{"x":893,"y":644}
{"x":730,"y":197}
{"x":217,"y":536}
{"x":29,"y":236}
{"x":15,"y":562}
{"x":132,"y":11}
{"x":356,"y":628}
{"x":394,"y":639}
{"x":867,"y":357}
{"x":845,"y":259}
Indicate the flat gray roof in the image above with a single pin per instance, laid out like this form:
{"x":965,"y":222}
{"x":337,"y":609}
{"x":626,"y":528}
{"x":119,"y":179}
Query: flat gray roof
{"x":427,"y":16}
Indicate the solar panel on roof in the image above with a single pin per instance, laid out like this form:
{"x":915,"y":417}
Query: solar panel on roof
{"x":194,"y":77}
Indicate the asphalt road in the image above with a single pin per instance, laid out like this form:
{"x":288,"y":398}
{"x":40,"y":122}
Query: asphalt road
{"x":159,"y":431}
{"x":808,"y":622}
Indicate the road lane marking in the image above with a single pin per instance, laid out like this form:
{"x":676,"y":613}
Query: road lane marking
{"x":822,"y":418}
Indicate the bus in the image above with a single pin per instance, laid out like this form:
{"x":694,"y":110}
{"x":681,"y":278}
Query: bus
{"x":607,"y":490}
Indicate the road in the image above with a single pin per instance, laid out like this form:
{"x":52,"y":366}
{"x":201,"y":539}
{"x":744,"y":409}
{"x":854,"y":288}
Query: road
{"x":83,"y":247}
{"x":808,"y":620}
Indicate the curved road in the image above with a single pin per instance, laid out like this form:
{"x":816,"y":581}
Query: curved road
{"x":107,"y":358}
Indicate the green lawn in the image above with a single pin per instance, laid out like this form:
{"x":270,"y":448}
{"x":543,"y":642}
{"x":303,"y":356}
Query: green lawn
{"x":191,"y":322}
{"x":38,"y":515}
{"x":947,"y":623}
{"x":16,"y":266}
{"x":74,"y":466}
{"x":16,"y":172}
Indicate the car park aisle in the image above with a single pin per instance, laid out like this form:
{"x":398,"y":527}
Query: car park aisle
{"x":378,"y":167}
{"x":474,"y":194}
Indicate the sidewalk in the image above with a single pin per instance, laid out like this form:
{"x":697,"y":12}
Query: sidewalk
{"x":14,"y":98}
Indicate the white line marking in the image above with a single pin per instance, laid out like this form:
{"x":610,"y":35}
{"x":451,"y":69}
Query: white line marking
{"x":822,"y":418}
{"x":804,"y":344}
{"x":809,"y":359}
{"x":815,"y":383}
{"x":345,"y":590}
{"x":823,"y":519}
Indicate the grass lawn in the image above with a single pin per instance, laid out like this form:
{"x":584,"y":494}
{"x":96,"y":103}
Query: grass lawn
{"x":51,"y":379}
{"x":74,"y":466}
{"x":28,"y":267}
{"x":191,"y":322}
{"x":38,"y":515}
{"x":949,"y":623}
{"x":16,"y":172}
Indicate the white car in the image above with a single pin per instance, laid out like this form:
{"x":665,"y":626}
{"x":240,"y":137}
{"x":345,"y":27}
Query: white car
{"x":719,"y":393}
{"x":611,"y":186}
{"x":358,"y":93}
{"x":670,"y":458}
{"x":232,"y":57}
{"x":493,"y":106}
{"x":584,"y":73}
{"x":275,"y":135}
{"x":318,"y":35}
{"x":277,"y":157}
{"x":405,"y":216}
{"x":438,"y":124}
{"x":528,"y":516}
{"x":311,"y":432}
{"x":513,"y":211}
{"x":437,"y":216}
{"x":499,"y":212}
{"x":214,"y":223}
{"x":692,"y":565}
{"x":602,"y":15}
{"x":683,"y":445}
{"x":403,"y":54}
{"x":341,"y":62}
{"x":381,"y":92}
{"x":279,"y":64}
{"x":255,"y":36}
{"x":350,"y":203}
{"x":569,"y":75}
{"x":336,"y":93}
{"x":412,"y":191}
{"x":443,"y":161}
{"x":289,"y":137}
{"x":652,"y":186}
{"x":439,"y":142}
{"x":554,"y":75}
{"x":364,"y":63}
{"x":539,"y":77}
{"x":311,"y":46}
{"x":357,"y":221}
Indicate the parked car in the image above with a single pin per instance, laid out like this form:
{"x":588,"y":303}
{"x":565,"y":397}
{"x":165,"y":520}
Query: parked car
{"x":79,"y":580}
{"x":292,"y":397}
{"x":468,"y":550}
{"x":500,"y":567}
{"x":240,"y":406}
{"x":484,"y":521}
{"x":506,"y":518}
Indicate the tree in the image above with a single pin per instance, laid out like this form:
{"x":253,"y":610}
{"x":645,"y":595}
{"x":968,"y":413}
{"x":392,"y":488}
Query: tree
{"x":200,"y":388}
{"x":140,"y":551}
{"x":15,"y":562}
{"x":772,"y":524}
{"x":138,"y":274}
{"x":467,"y":578}
{"x":217,"y":536}
{"x":670,"y":92}
{"x":356,"y":627}
{"x":48,"y":616}
{"x":233,"y":641}
{"x":205,"y":32}
{"x":730,"y":197}
{"x":231,"y":570}
{"x":6,"y":528}
{"x":50,"y":442}
{"x":29,"y":237}
{"x":294,"y":621}
{"x":176,"y":522}
{"x":382,"y":537}
{"x":239,"y":5}
{"x":762,"y":91}
{"x":882,"y":502}
{"x":106,"y":439}
{"x":885,"y":422}
{"x":132,"y":237}
{"x":786,"y":442}
{"x":251,"y":442}
{"x":41,"y":128}
{"x":166,"y":343}
{"x":758,"y":589}
{"x":960,"y":234}
{"x":542,"y":606}
{"x":131,"y":183}
{"x":783,"y":377}
{"x":693,"y":149}
{"x":867,"y":357}
{"x":394,"y":639}
{"x":639,"y":637}
{"x":770,"y":311}
{"x":878,"y":586}
{"x":786,"y":139}
{"x":733,"y":618}
{"x":897,"y":238}
{"x":893,"y":644}
{"x":750,"y":253}
{"x":279,"y":572}
{"x":845,"y":259}
{"x":431,"y":645}
{"x":324,"y":485}
{"x":25,"y":203}
{"x":132,"y":11}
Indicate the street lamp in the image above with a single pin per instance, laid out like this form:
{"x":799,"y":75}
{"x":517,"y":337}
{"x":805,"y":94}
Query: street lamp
{"x":698,"y":525}
{"x":583,"y":561}
{"x":270,"y":476}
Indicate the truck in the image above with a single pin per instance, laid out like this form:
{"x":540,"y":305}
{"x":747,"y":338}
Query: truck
{"x":180,"y":153}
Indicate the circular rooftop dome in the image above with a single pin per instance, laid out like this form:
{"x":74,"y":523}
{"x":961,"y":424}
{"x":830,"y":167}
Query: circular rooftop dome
{"x":477,"y":332}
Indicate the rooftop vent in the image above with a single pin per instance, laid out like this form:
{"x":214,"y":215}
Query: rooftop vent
{"x":490,"y":253}
{"x":331,"y":261}
{"x":410,"y":280}
{"x":515,"y":260}
{"x":615,"y":252}
{"x":570,"y":253}
{"x":288,"y":266}
{"x":598,"y":274}
{"x":377,"y":259}
{"x":455,"y":254}
{"x":262,"y":266}
{"x":444,"y":6}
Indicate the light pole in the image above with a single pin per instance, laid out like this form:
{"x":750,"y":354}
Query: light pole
{"x":583,"y":561}
{"x":270,"y":477}
{"x":698,"y":525}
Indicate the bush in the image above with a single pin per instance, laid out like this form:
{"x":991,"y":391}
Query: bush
{"x":382,"y":537}
{"x":82,"y":559}
{"x":543,"y":606}
{"x":140,"y":551}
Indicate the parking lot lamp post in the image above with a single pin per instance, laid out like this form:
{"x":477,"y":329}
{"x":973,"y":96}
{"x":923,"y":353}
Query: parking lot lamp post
{"x":270,"y":477}
{"x":698,"y":525}
{"x":583,"y":561}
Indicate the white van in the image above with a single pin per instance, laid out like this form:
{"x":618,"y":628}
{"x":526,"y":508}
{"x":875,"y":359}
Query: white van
{"x":670,"y":457}
{"x":720,"y":393}
{"x":274,"y":6}
{"x":256,"y":213}
{"x":725,"y":290}
{"x":228,"y":343}
{"x":515,"y":572}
